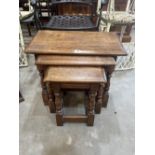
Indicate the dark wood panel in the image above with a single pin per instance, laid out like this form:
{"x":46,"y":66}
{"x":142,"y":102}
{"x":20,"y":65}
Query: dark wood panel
{"x":73,"y":9}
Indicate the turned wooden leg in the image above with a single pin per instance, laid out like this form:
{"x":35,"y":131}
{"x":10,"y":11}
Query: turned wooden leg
{"x":51,"y":98}
{"x":109,"y":71}
{"x":58,"y":105}
{"x":99,"y":99}
{"x":43,"y":85}
{"x":91,"y":106}
{"x":44,"y":91}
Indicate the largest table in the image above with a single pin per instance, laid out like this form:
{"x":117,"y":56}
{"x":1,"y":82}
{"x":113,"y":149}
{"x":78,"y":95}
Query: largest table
{"x":75,"y":43}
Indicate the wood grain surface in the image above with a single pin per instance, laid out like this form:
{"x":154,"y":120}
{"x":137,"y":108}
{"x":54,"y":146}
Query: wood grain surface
{"x":76,"y":43}
{"x":74,"y":60}
{"x":75,"y":74}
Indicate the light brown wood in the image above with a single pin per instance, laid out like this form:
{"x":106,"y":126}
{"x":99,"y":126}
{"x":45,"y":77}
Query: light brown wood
{"x":75,"y":75}
{"x":91,"y":77}
{"x":76,"y":43}
{"x":74,"y":60}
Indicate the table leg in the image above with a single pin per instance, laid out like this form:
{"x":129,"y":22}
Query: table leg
{"x":99,"y":99}
{"x":91,"y":105}
{"x":43,"y":85}
{"x":109,"y":71}
{"x":44,"y":91}
{"x":51,"y":98}
{"x":58,"y":105}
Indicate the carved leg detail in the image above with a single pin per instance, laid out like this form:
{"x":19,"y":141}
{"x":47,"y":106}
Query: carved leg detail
{"x":106,"y":91}
{"x":44,"y":88}
{"x":107,"y":86}
{"x":58,"y":105}
{"x":99,"y":101}
{"x":51,"y":99}
{"x":105,"y":99}
{"x":91,"y":106}
{"x":45,"y":95}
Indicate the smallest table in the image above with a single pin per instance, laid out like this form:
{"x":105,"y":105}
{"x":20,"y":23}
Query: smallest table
{"x":90,"y":79}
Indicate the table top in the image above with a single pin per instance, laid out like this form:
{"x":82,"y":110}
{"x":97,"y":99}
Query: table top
{"x":76,"y":43}
{"x":74,"y":60}
{"x":75,"y":74}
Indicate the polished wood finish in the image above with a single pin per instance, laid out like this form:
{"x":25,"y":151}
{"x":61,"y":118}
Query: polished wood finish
{"x":59,"y":77}
{"x":74,"y":74}
{"x":74,"y":49}
{"x":76,"y":43}
{"x":66,"y":60}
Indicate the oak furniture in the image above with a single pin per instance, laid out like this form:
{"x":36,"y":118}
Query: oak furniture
{"x":68,"y":60}
{"x":76,"y":43}
{"x":75,"y":78}
{"x":43,"y":61}
{"x":72,"y":48}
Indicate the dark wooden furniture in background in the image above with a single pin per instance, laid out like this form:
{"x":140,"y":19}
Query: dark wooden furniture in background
{"x":70,"y":9}
{"x":24,"y":5}
{"x":120,"y":5}
{"x":72,"y":43}
{"x":64,"y":9}
{"x":43,"y":7}
{"x":68,"y":21}
{"x":75,"y":78}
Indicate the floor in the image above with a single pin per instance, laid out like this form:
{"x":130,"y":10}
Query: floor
{"x":112,"y":133}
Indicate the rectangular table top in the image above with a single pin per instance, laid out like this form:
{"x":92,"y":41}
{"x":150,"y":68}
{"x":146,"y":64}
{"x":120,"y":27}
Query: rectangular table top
{"x":74,"y":60}
{"x":75,"y":74}
{"x":76,"y":43}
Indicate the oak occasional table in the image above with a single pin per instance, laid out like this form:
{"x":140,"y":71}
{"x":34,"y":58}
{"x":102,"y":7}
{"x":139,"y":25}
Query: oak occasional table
{"x":74,"y":48}
{"x":87,"y":79}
